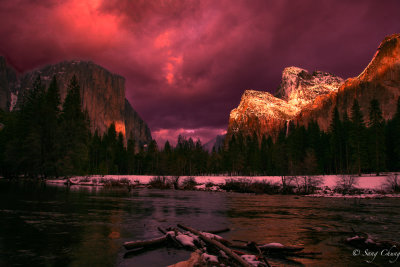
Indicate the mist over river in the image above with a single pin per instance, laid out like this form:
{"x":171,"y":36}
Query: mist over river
{"x":49,"y":225}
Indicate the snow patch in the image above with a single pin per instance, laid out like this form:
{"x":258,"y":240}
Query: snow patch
{"x":185,"y":240}
{"x":212,"y":236}
{"x":272,"y":245}
{"x":251,"y":259}
{"x":209,"y":258}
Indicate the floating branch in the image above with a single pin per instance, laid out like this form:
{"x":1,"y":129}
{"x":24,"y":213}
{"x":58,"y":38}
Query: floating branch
{"x":217,"y":244}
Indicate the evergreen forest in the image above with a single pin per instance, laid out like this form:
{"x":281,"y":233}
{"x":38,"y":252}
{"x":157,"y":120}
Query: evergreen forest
{"x":44,"y":138}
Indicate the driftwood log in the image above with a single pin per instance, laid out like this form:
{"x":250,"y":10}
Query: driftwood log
{"x":145,"y":243}
{"x":217,"y":244}
{"x":207,"y":241}
{"x":218,"y":231}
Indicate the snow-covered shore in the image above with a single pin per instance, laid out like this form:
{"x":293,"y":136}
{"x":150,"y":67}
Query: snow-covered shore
{"x":368,"y":186}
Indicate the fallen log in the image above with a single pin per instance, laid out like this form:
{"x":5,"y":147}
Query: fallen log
{"x":145,"y":243}
{"x":162,"y":230}
{"x":218,"y":231}
{"x":217,"y":244}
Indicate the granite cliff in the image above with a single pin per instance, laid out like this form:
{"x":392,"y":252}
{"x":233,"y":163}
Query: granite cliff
{"x":102,"y":92}
{"x":266,"y":114}
{"x":303,"y":96}
{"x":380,"y":80}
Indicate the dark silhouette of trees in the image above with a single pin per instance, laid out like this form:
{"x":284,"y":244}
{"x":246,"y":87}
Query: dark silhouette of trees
{"x":376,"y":137}
{"x":46,"y":138}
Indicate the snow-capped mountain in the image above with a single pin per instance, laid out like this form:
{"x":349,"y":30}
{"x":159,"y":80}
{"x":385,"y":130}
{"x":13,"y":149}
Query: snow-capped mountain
{"x":300,"y":88}
{"x":303,"y":97}
{"x":263,"y":113}
{"x":380,"y":80}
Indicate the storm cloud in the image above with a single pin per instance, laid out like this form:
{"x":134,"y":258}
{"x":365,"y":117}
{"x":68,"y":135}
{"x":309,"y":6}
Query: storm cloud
{"x":187,"y":63}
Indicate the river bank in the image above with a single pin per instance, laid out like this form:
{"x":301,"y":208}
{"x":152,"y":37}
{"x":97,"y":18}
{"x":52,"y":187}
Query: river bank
{"x":333,"y":186}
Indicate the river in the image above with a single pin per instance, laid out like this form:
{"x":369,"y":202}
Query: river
{"x":43,"y":225}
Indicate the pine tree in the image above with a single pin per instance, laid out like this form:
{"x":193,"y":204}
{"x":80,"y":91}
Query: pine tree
{"x":75,"y":133}
{"x":51,"y":128}
{"x":95,"y":153}
{"x":152,"y":158}
{"x":130,"y":151}
{"x":357,"y":137}
{"x":280,"y":155}
{"x":346,"y":127}
{"x":314,"y":142}
{"x":393,"y":141}
{"x":377,"y":136}
{"x":9,"y":144}
{"x":31,"y":125}
{"x":120,"y":155}
{"x":110,"y":150}
{"x":166,"y":163}
{"x":336,"y":141}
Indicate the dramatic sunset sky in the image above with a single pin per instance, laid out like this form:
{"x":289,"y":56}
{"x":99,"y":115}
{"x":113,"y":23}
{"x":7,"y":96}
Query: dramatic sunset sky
{"x":187,"y":63}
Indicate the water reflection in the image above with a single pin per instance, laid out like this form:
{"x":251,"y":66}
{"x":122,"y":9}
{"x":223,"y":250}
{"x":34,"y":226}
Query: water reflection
{"x":317,"y":224}
{"x":86,"y":226}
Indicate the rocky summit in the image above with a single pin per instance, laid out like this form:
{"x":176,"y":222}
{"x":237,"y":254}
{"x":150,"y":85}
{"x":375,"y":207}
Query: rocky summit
{"x":263,"y":113}
{"x":102,"y":92}
{"x":303,"y":96}
{"x":380,"y":80}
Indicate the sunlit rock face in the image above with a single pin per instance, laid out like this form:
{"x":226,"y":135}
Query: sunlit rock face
{"x":300,"y":88}
{"x":102,"y":92}
{"x":380,"y":80}
{"x":304,"y":96}
{"x":265,"y":114}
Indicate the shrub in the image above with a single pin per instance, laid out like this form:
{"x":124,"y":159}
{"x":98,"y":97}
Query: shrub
{"x":189,"y":183}
{"x":307,"y":184}
{"x":124,"y":181}
{"x":345,"y":184}
{"x":84,"y":179}
{"x":263,"y":187}
{"x":210,"y":184}
{"x":243,"y":185}
{"x":174,"y":181}
{"x":287,"y":184}
{"x":239,"y":185}
{"x":159,"y":182}
{"x":392,"y":183}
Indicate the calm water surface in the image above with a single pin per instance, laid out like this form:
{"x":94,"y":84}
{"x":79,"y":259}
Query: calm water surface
{"x":43,"y":225}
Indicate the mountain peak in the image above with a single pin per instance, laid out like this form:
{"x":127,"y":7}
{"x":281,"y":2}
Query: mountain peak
{"x":300,"y":88}
{"x":263,"y":112}
{"x":385,"y":59}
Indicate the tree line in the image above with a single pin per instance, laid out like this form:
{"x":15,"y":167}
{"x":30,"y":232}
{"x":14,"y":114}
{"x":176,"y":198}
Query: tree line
{"x":46,"y":138}
{"x":350,"y":146}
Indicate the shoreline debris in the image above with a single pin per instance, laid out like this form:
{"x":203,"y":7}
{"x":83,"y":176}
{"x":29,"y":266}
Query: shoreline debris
{"x":214,"y":250}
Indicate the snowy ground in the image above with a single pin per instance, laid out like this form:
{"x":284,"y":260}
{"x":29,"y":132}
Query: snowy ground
{"x":372,"y":186}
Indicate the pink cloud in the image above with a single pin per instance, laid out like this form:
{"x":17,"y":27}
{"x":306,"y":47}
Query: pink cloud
{"x":170,"y":135}
{"x":186,"y":63}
